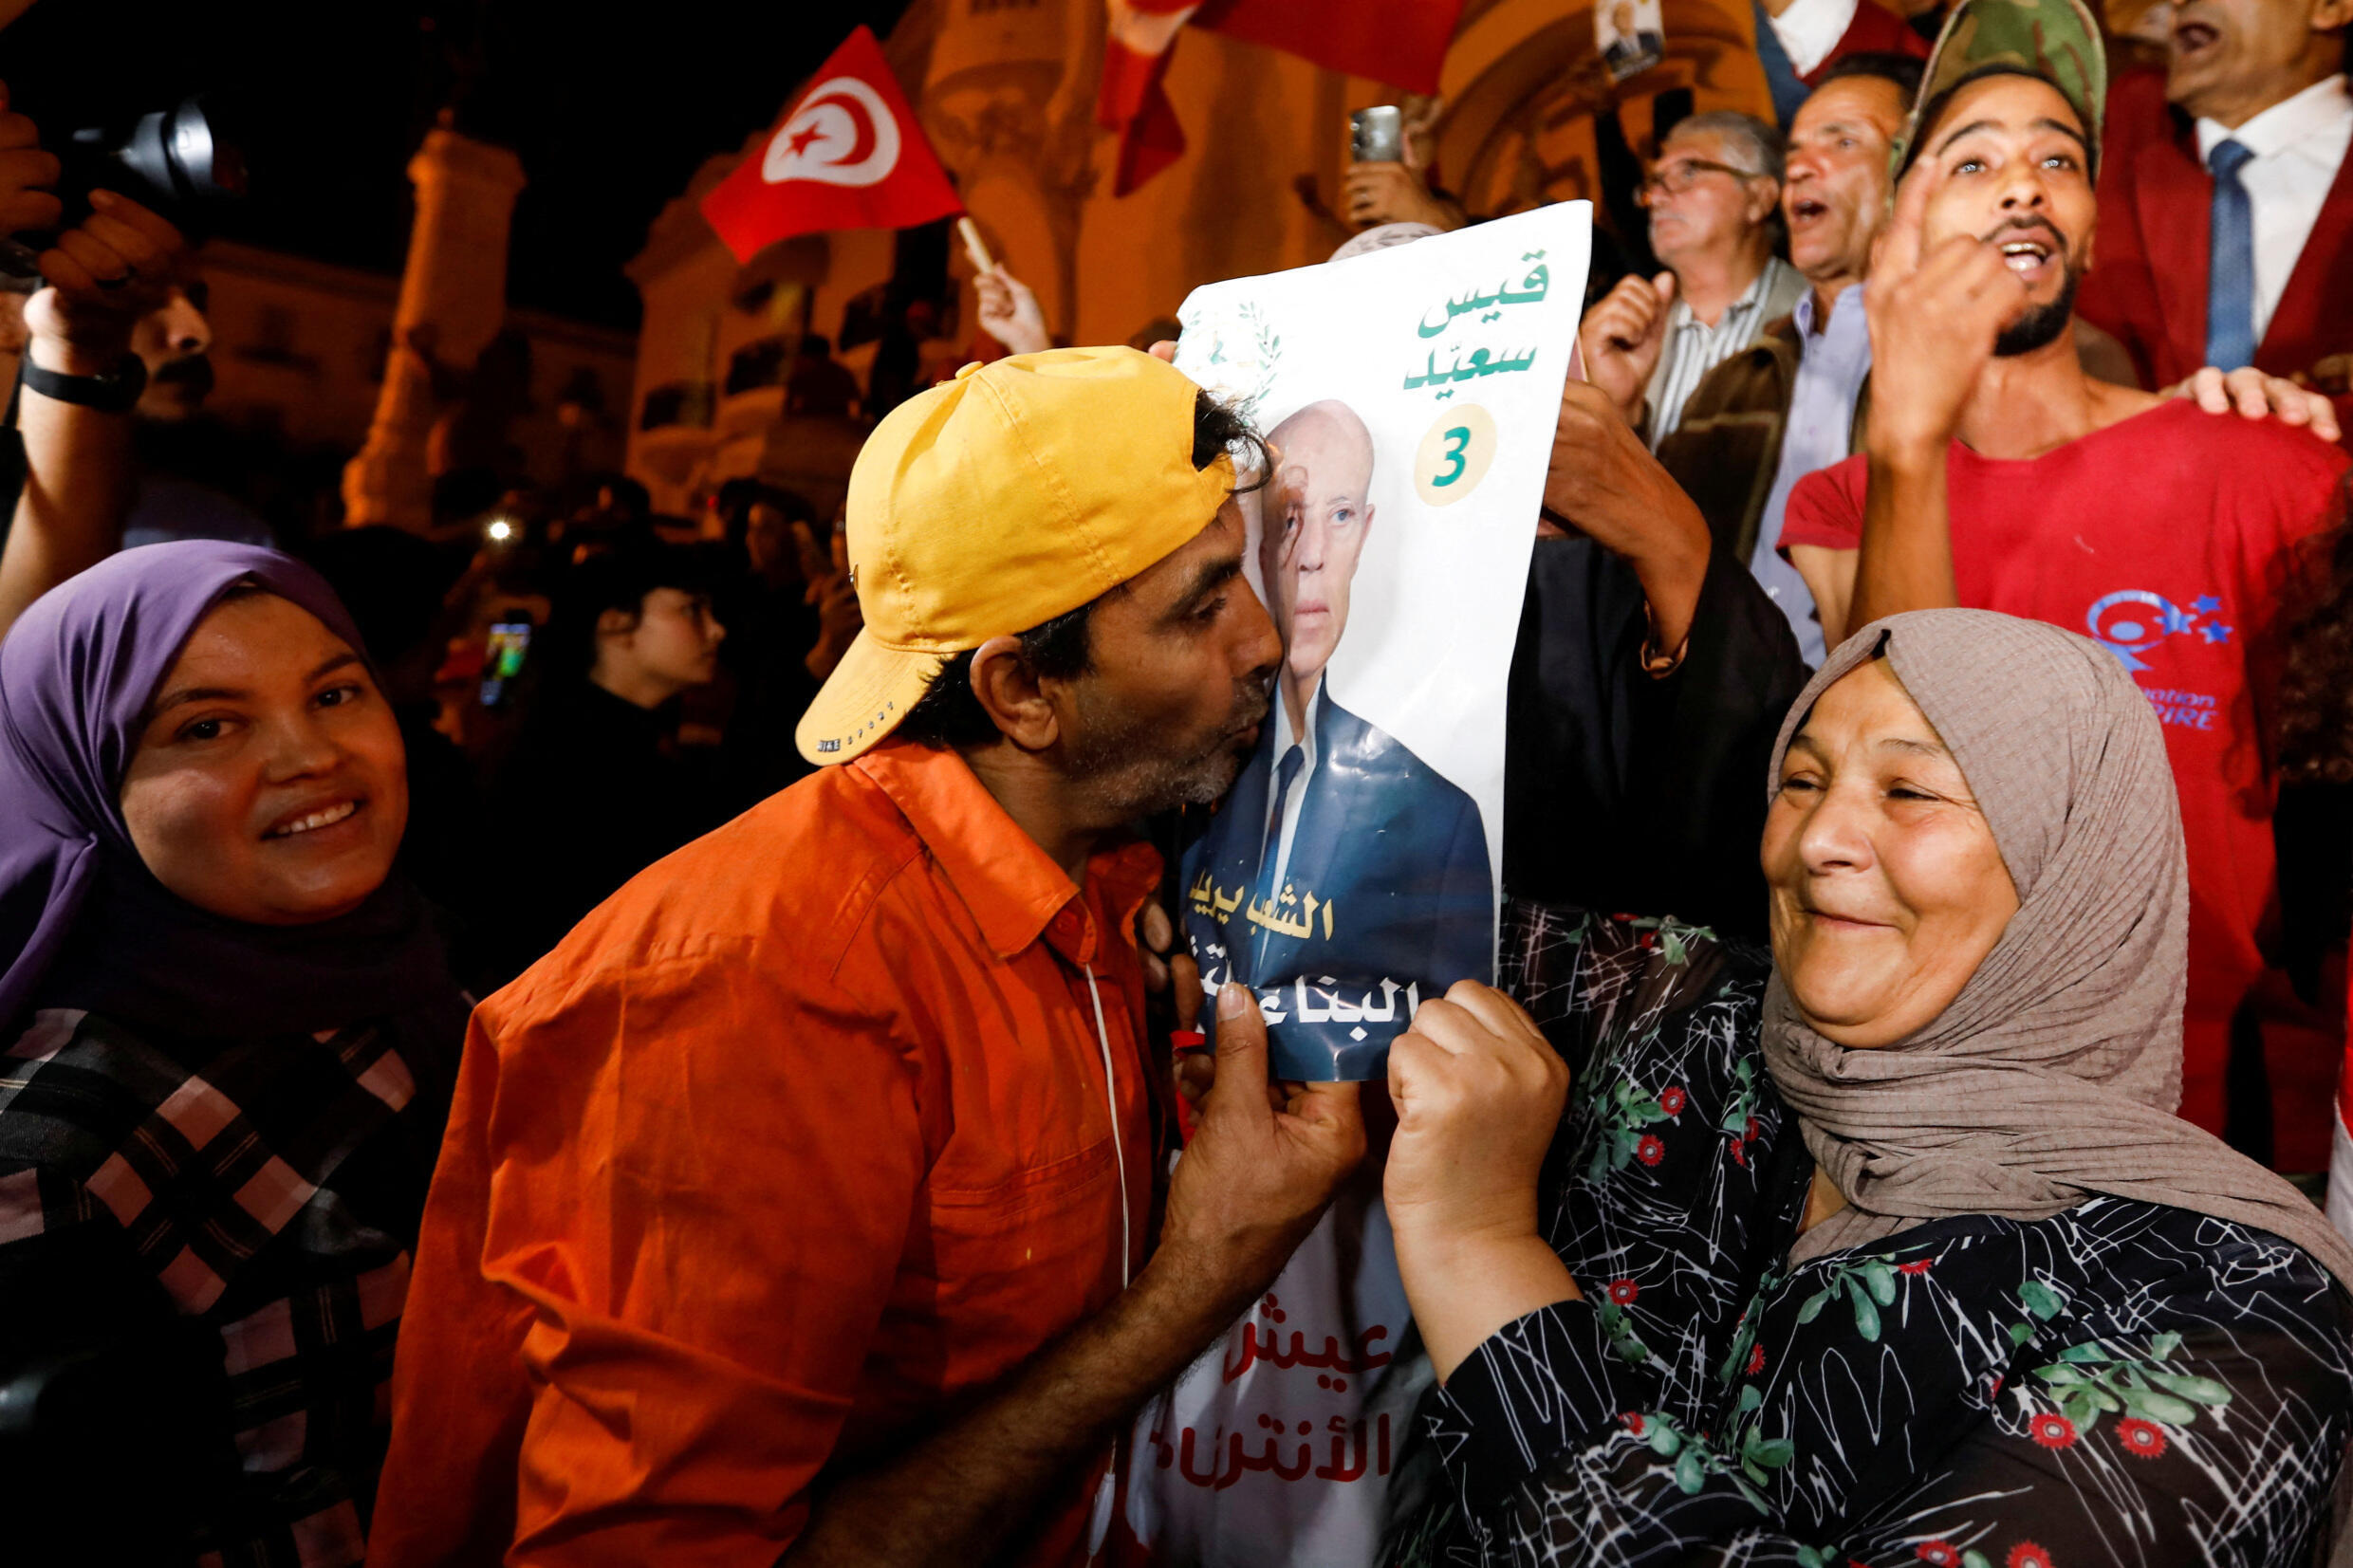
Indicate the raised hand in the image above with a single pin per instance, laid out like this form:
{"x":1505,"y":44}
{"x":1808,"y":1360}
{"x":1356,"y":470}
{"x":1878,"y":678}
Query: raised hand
{"x":1935,"y":313}
{"x":104,"y":273}
{"x":1622,"y":336}
{"x":839,"y":621}
{"x":27,"y":174}
{"x":1393,"y":193}
{"x":1604,"y":480}
{"x":1009,"y":313}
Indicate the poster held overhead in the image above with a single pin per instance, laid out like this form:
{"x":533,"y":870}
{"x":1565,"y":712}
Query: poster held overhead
{"x":1631,"y":35}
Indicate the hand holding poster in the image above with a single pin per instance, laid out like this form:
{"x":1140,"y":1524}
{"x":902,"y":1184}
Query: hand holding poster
{"x":1410,"y":395}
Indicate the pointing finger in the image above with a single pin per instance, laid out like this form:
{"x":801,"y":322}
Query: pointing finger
{"x":1898,"y":249}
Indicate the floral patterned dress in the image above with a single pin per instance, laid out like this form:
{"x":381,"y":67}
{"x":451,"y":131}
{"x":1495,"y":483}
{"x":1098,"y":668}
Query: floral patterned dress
{"x":2123,"y":1383}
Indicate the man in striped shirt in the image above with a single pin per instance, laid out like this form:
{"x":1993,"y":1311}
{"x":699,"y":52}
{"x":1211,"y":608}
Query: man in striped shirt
{"x":1712,"y":194}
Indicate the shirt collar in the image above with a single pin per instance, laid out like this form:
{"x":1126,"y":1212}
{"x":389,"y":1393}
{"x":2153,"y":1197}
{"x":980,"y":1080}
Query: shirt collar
{"x":2312,"y":112}
{"x":1840,"y":311}
{"x":1284,"y":740}
{"x":1680,"y":314}
{"x":1013,"y":888}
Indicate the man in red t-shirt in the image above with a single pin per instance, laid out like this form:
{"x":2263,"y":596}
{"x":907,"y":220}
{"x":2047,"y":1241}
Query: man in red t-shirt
{"x":1998,"y":475}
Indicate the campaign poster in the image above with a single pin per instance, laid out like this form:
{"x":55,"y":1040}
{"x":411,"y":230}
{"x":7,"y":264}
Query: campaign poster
{"x":1631,"y":35}
{"x":1410,"y":397}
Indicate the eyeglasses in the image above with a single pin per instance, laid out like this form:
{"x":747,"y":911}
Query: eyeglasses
{"x":1674,"y":178}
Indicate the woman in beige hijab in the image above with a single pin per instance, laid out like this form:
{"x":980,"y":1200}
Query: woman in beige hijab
{"x":1889,"y":1250}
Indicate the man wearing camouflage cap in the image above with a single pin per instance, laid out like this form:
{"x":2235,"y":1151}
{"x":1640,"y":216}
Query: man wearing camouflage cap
{"x":1999,"y":476}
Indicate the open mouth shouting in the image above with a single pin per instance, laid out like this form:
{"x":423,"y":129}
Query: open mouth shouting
{"x":2033,"y":250}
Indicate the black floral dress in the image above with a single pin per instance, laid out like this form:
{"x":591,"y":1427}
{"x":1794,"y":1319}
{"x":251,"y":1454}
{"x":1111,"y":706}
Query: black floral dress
{"x":2123,"y":1383}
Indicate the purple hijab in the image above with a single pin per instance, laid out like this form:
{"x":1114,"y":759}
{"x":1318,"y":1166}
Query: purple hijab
{"x":83,"y":923}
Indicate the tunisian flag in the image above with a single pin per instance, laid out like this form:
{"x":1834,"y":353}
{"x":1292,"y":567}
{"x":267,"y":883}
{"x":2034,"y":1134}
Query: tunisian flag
{"x":1400,"y":41}
{"x":846,"y":155}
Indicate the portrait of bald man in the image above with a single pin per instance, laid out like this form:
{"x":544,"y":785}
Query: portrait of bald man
{"x":1342,"y":869}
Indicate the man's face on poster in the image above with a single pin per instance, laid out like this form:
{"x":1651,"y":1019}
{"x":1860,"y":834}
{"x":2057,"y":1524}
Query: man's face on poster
{"x":1317,"y":512}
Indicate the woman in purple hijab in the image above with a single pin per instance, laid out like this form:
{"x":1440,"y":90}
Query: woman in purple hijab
{"x":230,"y":1034}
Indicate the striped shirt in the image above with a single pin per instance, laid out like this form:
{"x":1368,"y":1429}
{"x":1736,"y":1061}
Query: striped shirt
{"x":1692,"y":347}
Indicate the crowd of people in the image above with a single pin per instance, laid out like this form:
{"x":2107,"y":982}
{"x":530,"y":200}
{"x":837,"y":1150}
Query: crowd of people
{"x":590,"y":1037}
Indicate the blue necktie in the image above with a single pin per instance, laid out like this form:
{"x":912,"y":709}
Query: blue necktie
{"x":1788,"y":89}
{"x":1285,"y":776}
{"x":2230,"y":272}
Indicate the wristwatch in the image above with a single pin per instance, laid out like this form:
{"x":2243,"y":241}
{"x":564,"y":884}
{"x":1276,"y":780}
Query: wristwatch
{"x":112,"y":391}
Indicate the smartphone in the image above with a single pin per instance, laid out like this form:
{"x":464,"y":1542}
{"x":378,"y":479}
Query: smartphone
{"x":1377,"y":134}
{"x":510,"y":642}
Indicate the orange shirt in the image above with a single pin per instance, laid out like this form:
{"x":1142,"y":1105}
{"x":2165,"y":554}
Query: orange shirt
{"x":801,"y":1133}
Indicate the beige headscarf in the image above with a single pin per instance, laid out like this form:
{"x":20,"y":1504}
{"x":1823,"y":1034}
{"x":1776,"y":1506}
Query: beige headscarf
{"x":2055,"y":1073}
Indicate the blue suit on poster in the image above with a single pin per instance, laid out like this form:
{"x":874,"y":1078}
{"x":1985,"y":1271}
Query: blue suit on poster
{"x":1387,"y":897}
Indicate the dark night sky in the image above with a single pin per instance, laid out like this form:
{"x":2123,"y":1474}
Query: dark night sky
{"x":611,"y":108}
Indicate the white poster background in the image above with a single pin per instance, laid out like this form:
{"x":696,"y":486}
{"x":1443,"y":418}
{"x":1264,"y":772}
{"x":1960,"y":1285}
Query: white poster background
{"x":1436,"y":604}
{"x":1281,"y":1444}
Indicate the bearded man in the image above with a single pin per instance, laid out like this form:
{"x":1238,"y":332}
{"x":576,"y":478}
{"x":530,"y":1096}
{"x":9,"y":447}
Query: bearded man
{"x":1998,"y":475}
{"x":796,"y":1208}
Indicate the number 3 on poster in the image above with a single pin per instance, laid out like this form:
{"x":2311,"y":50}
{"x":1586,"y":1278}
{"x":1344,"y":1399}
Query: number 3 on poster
{"x":1455,"y":456}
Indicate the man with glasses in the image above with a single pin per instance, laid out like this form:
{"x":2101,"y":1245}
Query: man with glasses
{"x":1711,"y":197}
{"x":1786,"y":402}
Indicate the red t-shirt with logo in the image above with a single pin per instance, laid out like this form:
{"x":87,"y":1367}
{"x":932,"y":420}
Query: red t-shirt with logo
{"x":2169,"y":538}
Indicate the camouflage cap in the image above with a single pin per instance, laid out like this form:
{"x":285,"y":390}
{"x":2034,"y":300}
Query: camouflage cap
{"x":2057,"y":39}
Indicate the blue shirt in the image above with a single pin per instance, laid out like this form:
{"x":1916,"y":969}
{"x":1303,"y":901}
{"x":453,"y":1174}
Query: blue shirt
{"x":1830,"y":371}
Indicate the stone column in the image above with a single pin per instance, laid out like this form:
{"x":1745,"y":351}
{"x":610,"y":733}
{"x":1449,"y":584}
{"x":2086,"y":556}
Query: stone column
{"x":456,"y":285}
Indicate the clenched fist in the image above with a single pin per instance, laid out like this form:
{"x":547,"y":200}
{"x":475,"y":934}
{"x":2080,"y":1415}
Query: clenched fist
{"x":1621,"y":337}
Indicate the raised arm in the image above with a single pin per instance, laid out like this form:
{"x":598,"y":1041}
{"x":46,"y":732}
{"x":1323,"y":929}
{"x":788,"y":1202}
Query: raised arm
{"x":1935,"y":314}
{"x":104,"y":276}
{"x":1650,"y":677}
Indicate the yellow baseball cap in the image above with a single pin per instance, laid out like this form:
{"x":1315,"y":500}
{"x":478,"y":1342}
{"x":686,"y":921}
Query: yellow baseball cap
{"x":985,"y":506}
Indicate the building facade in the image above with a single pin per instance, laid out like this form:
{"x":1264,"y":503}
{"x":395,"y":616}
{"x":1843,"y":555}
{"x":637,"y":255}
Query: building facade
{"x":298,"y":350}
{"x":1005,"y":90}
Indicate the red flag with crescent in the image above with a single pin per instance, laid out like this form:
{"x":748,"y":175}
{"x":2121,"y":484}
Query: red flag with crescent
{"x":847,"y":154}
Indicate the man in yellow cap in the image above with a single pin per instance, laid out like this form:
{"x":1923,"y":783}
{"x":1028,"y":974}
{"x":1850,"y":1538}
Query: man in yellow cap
{"x":798,"y":1202}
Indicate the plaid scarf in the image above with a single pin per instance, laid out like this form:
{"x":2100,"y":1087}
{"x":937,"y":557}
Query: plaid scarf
{"x":270,"y":1188}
